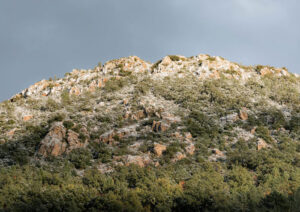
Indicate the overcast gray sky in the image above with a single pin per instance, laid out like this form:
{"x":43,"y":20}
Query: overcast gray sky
{"x":43,"y":38}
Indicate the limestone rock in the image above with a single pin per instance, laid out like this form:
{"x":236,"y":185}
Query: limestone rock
{"x":140,"y":160}
{"x":253,"y":130}
{"x":243,"y":114}
{"x":54,"y":144}
{"x":217,"y":152}
{"x":159,"y":149}
{"x":11,"y":133}
{"x":190,"y":149}
{"x":217,"y":155}
{"x":178,"y":156}
{"x":158,"y":126}
{"x":107,"y":137}
{"x":261,"y":144}
{"x":27,"y":118}
{"x":74,"y":141}
{"x":166,"y":61}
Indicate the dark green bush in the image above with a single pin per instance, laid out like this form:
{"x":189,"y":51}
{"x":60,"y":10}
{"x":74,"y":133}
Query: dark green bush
{"x":68,"y":124}
{"x":263,"y":133}
{"x":81,"y":158}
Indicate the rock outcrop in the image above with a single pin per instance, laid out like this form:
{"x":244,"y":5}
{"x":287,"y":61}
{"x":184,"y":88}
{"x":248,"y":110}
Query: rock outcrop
{"x":59,"y":140}
{"x":54,"y":143}
{"x":159,"y":149}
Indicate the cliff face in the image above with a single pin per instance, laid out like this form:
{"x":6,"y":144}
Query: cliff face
{"x":150,"y":114}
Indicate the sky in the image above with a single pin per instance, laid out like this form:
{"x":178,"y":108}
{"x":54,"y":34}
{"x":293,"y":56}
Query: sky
{"x":46,"y":38}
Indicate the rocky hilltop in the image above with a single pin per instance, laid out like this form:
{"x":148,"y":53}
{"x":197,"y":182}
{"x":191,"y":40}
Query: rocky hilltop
{"x":196,"y":110}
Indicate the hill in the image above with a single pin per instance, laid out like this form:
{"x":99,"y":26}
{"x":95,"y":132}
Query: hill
{"x":198,"y":133}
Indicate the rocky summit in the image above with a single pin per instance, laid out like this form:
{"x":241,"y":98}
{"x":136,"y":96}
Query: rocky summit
{"x":185,"y":133}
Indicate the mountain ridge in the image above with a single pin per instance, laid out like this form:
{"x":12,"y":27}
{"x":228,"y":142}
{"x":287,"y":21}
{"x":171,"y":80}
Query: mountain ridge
{"x":211,"y":133}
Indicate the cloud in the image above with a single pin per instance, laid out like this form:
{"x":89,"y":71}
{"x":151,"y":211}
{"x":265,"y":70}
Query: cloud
{"x":40,"y":39}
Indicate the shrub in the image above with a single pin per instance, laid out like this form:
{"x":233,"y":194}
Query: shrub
{"x":68,"y":124}
{"x":81,"y":158}
{"x":65,"y":98}
{"x":263,"y":133}
{"x":174,"y":57}
{"x":51,"y":105}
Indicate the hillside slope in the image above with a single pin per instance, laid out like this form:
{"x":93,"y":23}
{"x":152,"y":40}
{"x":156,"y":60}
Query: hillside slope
{"x":197,"y":133}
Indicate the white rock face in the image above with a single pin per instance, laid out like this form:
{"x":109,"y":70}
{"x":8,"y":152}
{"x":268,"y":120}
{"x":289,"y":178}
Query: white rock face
{"x":201,"y":66}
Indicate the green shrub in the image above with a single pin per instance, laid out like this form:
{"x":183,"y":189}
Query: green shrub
{"x":114,"y":84}
{"x":263,"y":133}
{"x":81,"y":158}
{"x":52,"y":105}
{"x":65,"y":98}
{"x":68,"y":124}
{"x":174,"y":58}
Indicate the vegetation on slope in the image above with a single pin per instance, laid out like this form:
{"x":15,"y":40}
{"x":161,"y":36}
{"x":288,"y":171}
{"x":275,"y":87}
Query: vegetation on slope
{"x":145,"y":142}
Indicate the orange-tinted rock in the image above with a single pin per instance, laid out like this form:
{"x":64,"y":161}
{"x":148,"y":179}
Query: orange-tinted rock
{"x":11,"y":133}
{"x":27,"y":118}
{"x":159,"y":149}
{"x":125,"y":101}
{"x":190,"y":149}
{"x":188,"y":135}
{"x":215,"y":74}
{"x":265,"y":71}
{"x":261,"y":144}
{"x":127,"y":115}
{"x":177,"y":135}
{"x":100,"y":84}
{"x":140,"y":114}
{"x":181,"y":184}
{"x":75,"y":91}
{"x":58,"y":149}
{"x":217,"y":152}
{"x":178,"y":156}
{"x":166,"y":61}
{"x":170,"y":118}
{"x":54,"y":144}
{"x":74,"y":141}
{"x":107,"y":137}
{"x":140,"y":160}
{"x":159,"y":126}
{"x":253,"y":130}
{"x":243,"y":114}
{"x":92,"y":87}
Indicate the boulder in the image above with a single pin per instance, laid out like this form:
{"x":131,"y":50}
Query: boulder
{"x":178,"y":156}
{"x":265,"y":71}
{"x":107,"y":137}
{"x":190,"y":149}
{"x":74,"y":141}
{"x":11,"y":133}
{"x":140,"y":160}
{"x":243,"y":114}
{"x":217,"y":155}
{"x":217,"y":152}
{"x":188,"y":135}
{"x":27,"y":118}
{"x":159,"y":126}
{"x":253,"y":130}
{"x":159,"y":149}
{"x":54,"y":144}
{"x":166,"y":61}
{"x":261,"y":144}
{"x":75,"y":91}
